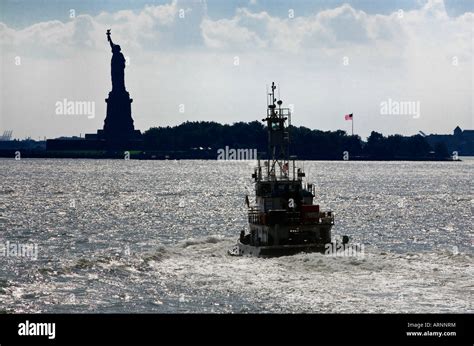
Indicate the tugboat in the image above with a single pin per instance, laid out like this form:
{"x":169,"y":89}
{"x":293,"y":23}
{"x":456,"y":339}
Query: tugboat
{"x":284,"y":220}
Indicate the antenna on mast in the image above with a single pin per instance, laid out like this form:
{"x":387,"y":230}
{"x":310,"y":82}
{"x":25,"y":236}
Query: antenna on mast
{"x":273,"y":95}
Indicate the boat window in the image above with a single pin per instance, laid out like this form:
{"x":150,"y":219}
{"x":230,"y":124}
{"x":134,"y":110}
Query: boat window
{"x":264,"y":189}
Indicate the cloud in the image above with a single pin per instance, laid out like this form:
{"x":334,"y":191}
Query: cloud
{"x":226,"y":33}
{"x":54,"y":38}
{"x":326,"y":29}
{"x":336,"y":29}
{"x":159,"y":27}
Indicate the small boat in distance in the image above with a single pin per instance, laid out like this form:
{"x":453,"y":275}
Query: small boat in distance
{"x":283,"y":220}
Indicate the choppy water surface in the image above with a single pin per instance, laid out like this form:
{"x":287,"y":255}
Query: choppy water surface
{"x":152,"y":236}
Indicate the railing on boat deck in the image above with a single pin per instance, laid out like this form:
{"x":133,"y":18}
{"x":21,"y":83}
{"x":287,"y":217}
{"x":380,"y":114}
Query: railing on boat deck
{"x":255,"y":216}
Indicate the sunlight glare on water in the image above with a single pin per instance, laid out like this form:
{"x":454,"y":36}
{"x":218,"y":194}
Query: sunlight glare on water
{"x":152,"y":236}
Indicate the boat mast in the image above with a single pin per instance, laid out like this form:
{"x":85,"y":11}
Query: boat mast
{"x":278,"y":137}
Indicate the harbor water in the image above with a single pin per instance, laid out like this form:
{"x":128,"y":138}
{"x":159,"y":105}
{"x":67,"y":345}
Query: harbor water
{"x":152,"y":236}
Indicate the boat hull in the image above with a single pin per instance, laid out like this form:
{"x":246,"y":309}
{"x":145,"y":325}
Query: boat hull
{"x":275,"y":250}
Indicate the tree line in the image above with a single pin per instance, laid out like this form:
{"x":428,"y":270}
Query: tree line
{"x":306,"y":144}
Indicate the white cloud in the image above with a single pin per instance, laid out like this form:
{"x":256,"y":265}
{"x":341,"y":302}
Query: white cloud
{"x":228,"y":33}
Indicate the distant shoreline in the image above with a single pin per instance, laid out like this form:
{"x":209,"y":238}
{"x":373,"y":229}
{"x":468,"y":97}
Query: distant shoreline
{"x":210,"y":141}
{"x":188,"y":155}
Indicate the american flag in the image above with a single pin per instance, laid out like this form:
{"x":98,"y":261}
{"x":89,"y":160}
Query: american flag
{"x":348,"y":116}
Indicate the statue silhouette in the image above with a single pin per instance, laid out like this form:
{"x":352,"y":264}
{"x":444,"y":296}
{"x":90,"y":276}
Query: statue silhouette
{"x":117,"y":65}
{"x":118,"y":131}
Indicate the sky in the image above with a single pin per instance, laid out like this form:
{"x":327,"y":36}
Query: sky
{"x":213,"y":60}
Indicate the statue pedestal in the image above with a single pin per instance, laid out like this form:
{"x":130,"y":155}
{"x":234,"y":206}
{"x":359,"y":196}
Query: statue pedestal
{"x":118,"y":129}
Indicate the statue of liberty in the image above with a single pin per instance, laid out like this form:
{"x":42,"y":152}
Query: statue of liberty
{"x":118,"y":128}
{"x":117,"y":66}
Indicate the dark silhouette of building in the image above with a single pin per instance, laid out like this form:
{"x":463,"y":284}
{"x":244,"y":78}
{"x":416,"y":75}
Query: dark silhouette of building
{"x":461,"y":141}
{"x":119,"y":132}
